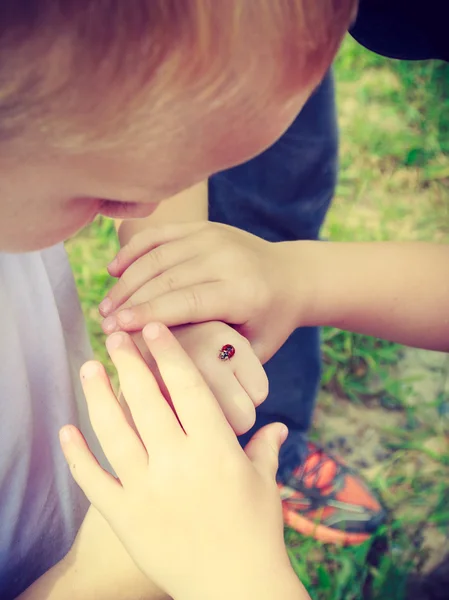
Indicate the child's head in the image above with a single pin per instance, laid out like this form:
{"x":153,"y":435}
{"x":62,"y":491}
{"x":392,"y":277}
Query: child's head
{"x":131,"y":102}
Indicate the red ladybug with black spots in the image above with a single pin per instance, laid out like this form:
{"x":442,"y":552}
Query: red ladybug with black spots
{"x":227,"y":352}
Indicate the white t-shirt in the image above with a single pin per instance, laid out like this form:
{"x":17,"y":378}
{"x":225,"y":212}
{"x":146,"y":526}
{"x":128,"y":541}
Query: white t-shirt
{"x":43,"y":342}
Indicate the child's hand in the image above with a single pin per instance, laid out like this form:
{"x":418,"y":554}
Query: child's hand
{"x":239,"y":384}
{"x":201,"y":517}
{"x":196,"y":272}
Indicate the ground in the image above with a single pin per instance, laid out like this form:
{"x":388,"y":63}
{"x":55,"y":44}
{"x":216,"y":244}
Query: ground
{"x":383,"y":407}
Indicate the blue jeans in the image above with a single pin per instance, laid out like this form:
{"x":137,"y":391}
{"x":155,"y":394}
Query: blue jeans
{"x":284,"y":194}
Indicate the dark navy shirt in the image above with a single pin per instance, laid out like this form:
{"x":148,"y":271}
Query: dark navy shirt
{"x":406,"y":29}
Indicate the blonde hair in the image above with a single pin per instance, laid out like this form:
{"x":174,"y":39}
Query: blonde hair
{"x":60,"y":56}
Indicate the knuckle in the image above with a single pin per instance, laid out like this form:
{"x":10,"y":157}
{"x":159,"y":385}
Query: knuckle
{"x":124,"y":285}
{"x":142,"y":295}
{"x":132,"y":248}
{"x":156,"y":257}
{"x":168,"y":282}
{"x":194,"y":302}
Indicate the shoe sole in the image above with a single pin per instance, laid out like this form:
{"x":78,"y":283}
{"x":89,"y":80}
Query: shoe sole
{"x":323,"y":534}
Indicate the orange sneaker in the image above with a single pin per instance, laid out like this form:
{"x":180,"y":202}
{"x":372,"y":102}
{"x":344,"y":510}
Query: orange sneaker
{"x":325,"y":499}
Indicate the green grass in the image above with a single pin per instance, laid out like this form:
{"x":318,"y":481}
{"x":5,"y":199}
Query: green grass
{"x":89,"y":252}
{"x":394,"y":184}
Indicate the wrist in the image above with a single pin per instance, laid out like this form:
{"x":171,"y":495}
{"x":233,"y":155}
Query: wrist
{"x":303,"y":274}
{"x":273,"y":583}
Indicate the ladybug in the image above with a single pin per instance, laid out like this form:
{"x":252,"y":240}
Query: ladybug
{"x":227,"y":352}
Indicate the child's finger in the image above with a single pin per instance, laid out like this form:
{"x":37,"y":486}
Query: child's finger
{"x":263,"y":448}
{"x":195,"y":405}
{"x":253,"y":378}
{"x":186,"y":274}
{"x":144,"y":269}
{"x":100,"y":487}
{"x":147,"y":240}
{"x":152,"y":415}
{"x":121,"y":445}
{"x":193,"y":304}
{"x":236,"y":404}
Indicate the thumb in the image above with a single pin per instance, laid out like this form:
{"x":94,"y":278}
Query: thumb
{"x":263,"y":448}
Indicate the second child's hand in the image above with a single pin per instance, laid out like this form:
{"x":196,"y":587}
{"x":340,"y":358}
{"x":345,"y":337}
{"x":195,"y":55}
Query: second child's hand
{"x":196,"y":272}
{"x":223,"y":537}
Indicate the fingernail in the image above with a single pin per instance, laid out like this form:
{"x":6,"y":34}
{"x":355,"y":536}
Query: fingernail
{"x":105,"y":307}
{"x":125,"y":316}
{"x":283,"y":433}
{"x":89,"y":370}
{"x":115,"y":340}
{"x":113,"y":265}
{"x":65,"y":435}
{"x":151,"y":331}
{"x":110,"y":325}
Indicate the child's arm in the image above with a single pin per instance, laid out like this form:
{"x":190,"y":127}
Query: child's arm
{"x":202,"y":271}
{"x":396,"y":291}
{"x":96,"y":568}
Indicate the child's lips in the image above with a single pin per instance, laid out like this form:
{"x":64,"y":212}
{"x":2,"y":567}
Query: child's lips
{"x":125,"y":210}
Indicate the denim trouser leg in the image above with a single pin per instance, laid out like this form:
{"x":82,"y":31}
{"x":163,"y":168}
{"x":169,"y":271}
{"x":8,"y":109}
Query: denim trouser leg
{"x":283,"y":194}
